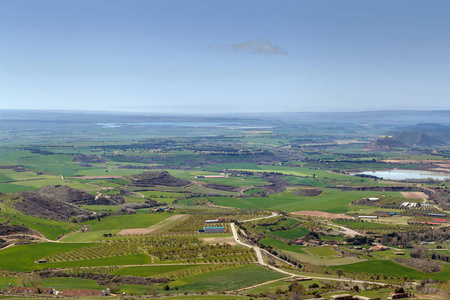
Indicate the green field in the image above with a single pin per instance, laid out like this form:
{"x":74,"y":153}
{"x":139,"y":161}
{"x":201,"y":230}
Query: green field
{"x":330,"y":200}
{"x":390,"y":268}
{"x":227,"y":279}
{"x":51,"y":229}
{"x":328,"y":260}
{"x":60,"y":283}
{"x":268,"y":241}
{"x":295,"y":233}
{"x":129,"y":221}
{"x":22,"y":258}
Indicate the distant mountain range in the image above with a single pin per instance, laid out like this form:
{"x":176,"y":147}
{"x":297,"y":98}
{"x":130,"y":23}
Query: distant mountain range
{"x":390,"y":117}
{"x":385,"y":144}
{"x":418,"y":139}
{"x":408,"y":139}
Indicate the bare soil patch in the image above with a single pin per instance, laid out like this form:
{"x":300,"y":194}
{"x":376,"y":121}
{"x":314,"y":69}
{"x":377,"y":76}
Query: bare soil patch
{"x":315,"y":213}
{"x":310,"y":192}
{"x":414,"y":195}
{"x":157,"y":226}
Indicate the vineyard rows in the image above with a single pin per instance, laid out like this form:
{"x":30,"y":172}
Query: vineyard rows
{"x":165,"y":248}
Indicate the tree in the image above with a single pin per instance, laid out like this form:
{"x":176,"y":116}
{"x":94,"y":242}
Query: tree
{"x":445,"y":290}
{"x":296,"y":290}
{"x":29,"y":280}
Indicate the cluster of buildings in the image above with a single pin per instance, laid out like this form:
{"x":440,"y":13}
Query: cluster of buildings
{"x":415,"y":205}
{"x":213,"y":229}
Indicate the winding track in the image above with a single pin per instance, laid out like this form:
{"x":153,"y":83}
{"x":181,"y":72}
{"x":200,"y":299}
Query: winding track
{"x":264,"y":264}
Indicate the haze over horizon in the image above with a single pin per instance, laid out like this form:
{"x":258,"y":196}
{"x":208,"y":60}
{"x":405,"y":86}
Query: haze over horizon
{"x":225,"y":57}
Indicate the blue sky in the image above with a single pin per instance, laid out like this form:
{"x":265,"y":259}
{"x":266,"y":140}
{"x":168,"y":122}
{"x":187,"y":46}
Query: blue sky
{"x":224,"y":56}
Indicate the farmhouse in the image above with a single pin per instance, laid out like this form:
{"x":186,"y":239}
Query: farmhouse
{"x":377,"y":248}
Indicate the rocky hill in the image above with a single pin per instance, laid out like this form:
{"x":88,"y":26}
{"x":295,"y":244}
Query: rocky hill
{"x":53,"y":202}
{"x":153,"y":178}
{"x":385,"y":144}
{"x":67,"y":194}
{"x":418,"y":139}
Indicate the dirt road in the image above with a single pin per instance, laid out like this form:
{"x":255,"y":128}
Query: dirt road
{"x":264,"y":264}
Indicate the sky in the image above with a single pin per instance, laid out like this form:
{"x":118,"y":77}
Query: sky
{"x":229,"y":56}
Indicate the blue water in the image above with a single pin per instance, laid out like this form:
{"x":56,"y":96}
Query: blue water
{"x":407,"y":174}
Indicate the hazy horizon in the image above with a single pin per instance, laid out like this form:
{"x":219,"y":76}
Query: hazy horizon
{"x":189,"y":57}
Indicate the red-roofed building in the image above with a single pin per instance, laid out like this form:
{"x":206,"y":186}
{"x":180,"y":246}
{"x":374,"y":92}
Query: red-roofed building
{"x":377,"y":248}
{"x":440,"y":220}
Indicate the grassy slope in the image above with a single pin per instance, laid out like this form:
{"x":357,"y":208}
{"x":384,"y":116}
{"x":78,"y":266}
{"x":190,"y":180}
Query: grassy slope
{"x":292,"y":234}
{"x":228,"y":279}
{"x":129,"y":221}
{"x":21,"y":258}
{"x":390,"y":268}
{"x":330,"y":200}
{"x":268,"y":241}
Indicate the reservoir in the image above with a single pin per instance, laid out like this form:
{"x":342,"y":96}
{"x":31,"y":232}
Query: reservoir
{"x":407,"y":174}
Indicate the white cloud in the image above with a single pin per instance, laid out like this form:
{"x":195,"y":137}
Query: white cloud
{"x":253,"y":46}
{"x":256,"y":46}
